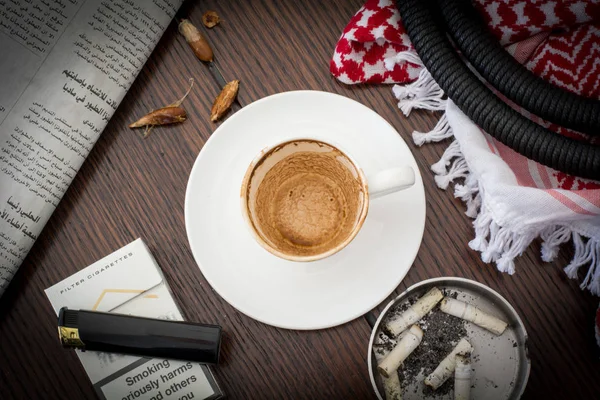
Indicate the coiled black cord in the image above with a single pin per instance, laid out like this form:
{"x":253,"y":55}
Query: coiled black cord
{"x":510,"y":78}
{"x":482,"y":105}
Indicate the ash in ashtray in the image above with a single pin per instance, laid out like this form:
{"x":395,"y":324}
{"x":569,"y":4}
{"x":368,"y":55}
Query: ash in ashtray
{"x":441,"y":333}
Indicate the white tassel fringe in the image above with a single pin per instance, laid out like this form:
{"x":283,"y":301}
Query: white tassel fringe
{"x":495,"y":243}
{"x":586,"y":252}
{"x":440,"y":132}
{"x":501,"y":245}
{"x":553,"y":237}
{"x":424,"y":93}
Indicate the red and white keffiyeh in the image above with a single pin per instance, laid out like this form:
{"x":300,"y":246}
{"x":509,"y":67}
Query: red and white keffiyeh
{"x":512,"y":199}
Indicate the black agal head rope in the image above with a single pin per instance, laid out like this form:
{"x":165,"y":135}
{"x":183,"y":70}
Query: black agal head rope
{"x":481,"y":105}
{"x":510,"y":78}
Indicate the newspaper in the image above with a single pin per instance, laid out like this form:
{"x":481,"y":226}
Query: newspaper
{"x":65,"y":67}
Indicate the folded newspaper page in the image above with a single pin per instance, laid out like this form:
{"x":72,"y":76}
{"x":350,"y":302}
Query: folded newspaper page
{"x":65,"y":67}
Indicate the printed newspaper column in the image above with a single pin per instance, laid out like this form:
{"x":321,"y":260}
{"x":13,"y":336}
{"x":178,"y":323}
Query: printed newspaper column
{"x":65,"y":67}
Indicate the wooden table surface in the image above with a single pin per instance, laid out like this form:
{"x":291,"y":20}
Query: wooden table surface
{"x":131,"y":187}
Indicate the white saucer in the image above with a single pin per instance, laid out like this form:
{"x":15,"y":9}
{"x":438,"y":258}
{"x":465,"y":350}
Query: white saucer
{"x":288,"y":294}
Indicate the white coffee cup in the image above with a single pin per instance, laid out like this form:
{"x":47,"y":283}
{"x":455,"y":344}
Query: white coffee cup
{"x":328,"y":197}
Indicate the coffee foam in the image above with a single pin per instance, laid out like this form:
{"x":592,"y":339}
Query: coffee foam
{"x":305,"y":198}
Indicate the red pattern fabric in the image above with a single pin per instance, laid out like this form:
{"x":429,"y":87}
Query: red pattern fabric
{"x":376,"y":32}
{"x":570,"y":59}
{"x":515,"y":20}
{"x":559,"y":41}
{"x":373,"y":34}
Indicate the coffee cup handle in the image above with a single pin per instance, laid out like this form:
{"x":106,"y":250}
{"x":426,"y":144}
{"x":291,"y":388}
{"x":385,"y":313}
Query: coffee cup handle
{"x":390,"y":181}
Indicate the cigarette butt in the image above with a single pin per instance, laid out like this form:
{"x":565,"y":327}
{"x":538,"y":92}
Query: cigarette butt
{"x":415,"y":312}
{"x":391,"y":386}
{"x":462,"y":377}
{"x":473,"y":314}
{"x":407,"y":345}
{"x":383,"y":339}
{"x":446,"y":368}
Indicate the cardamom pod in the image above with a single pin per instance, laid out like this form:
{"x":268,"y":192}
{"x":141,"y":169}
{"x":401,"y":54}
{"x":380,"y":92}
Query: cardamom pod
{"x":196,"y":40}
{"x":162,"y":116}
{"x":224,"y":100}
{"x":170,"y":114}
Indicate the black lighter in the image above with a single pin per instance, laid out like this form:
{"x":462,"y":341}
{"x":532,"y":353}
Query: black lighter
{"x":119,"y":333}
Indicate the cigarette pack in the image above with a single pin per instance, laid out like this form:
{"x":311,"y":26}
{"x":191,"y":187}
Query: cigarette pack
{"x":129,"y":281}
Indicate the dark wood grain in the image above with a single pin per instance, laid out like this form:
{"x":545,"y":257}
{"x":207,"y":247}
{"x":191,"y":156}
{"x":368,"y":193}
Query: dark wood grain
{"x":131,"y":187}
